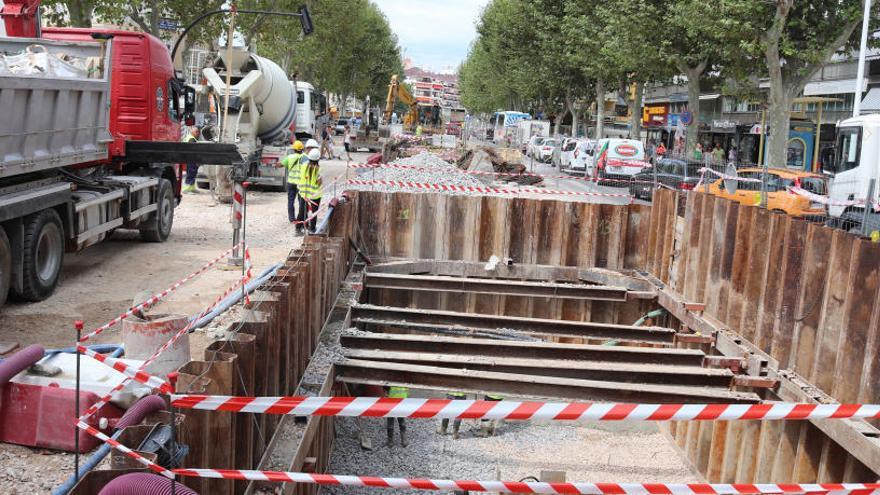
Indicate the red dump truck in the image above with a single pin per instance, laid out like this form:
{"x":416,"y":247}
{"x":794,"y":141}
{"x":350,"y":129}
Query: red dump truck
{"x":89,"y":143}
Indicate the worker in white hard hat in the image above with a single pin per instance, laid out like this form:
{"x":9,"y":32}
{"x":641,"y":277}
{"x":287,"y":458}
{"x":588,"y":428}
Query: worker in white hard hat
{"x":310,"y":186}
{"x":302,"y":208}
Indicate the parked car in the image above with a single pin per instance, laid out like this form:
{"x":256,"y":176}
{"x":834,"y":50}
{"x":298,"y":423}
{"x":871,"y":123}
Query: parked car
{"x":340,"y":126}
{"x":671,"y":173}
{"x":566,"y":152}
{"x":545,"y":151}
{"x":615,"y":166}
{"x":582,"y":154}
{"x":533,"y":146}
{"x":779,"y":197}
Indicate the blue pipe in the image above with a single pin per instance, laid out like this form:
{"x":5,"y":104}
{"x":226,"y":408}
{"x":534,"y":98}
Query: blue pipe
{"x":236,"y":296}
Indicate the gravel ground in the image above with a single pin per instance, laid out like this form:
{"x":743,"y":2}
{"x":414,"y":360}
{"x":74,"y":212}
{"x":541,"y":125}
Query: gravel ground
{"x":438,"y":171}
{"x":588,"y":452}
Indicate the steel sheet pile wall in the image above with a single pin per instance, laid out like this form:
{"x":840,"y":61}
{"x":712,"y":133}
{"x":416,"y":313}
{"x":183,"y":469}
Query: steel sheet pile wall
{"x":265,"y":354}
{"x":529,"y":231}
{"x":807,"y":296}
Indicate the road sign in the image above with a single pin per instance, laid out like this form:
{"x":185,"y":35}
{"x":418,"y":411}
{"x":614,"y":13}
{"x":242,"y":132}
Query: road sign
{"x":169,"y":24}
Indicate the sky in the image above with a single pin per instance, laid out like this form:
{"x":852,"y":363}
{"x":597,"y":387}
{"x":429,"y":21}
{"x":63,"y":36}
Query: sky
{"x":435,"y":34}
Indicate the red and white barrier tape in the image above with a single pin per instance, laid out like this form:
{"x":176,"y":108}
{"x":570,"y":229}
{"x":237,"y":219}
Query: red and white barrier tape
{"x":138,"y":374}
{"x":531,"y":486}
{"x":727,"y":177}
{"x":237,"y":204}
{"x":495,"y":174}
{"x":125,"y":450}
{"x":616,"y":162}
{"x":521,"y":410}
{"x":479,"y":189}
{"x":825,"y":200}
{"x":156,"y":297}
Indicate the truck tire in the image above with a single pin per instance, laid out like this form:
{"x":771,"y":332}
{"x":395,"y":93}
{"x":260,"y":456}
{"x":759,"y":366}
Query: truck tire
{"x":158,"y":225}
{"x":42,"y":256}
{"x":5,"y":266}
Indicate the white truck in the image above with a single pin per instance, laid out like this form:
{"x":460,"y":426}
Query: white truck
{"x":856,"y":162}
{"x":527,"y":129}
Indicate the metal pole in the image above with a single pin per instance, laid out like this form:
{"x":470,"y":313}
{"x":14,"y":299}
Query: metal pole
{"x":815,"y":166}
{"x":244,"y":260}
{"x":869,"y":200}
{"x":761,"y":140}
{"x":860,"y":74}
{"x":172,"y":379}
{"x":79,"y":327}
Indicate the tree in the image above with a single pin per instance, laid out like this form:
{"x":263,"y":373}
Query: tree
{"x":793,"y":39}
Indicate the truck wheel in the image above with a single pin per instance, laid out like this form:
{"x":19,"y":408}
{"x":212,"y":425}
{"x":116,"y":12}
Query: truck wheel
{"x":158,"y":226}
{"x":43,"y":255}
{"x":5,"y":266}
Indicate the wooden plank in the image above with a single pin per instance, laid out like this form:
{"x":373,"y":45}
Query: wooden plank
{"x":768,"y":302}
{"x":635,"y":250}
{"x":739,"y":267}
{"x":754,"y":276}
{"x":789,"y":290}
{"x":810,"y":301}
{"x":830,"y":326}
{"x":809,"y":452}
{"x":863,"y":284}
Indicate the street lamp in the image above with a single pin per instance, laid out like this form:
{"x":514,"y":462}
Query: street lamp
{"x":860,"y":77}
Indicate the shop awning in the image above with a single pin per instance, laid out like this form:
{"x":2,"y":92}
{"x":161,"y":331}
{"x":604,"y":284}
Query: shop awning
{"x":871,"y":103}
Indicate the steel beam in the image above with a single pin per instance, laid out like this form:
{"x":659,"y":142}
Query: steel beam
{"x":498,"y":287}
{"x":530,"y":350}
{"x":399,"y":317}
{"x":511,"y":384}
{"x":583,"y":370}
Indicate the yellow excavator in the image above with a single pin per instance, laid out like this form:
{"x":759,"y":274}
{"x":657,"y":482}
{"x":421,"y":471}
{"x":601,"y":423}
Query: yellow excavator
{"x":398,"y":92}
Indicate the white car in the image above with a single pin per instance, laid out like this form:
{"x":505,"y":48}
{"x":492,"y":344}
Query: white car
{"x":582,"y":156}
{"x":545,"y":151}
{"x":534,"y":145}
{"x":626,"y":158}
{"x":567,"y":152}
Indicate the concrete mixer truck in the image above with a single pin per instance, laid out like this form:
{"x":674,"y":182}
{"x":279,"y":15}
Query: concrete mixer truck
{"x":260,"y":118}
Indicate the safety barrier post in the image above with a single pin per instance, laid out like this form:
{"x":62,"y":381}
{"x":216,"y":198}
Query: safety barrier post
{"x":79,"y":328}
{"x":869,"y":201}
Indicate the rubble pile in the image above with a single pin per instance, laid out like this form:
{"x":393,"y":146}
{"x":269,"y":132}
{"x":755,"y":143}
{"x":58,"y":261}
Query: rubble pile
{"x":427,"y":168}
{"x":486,"y":159}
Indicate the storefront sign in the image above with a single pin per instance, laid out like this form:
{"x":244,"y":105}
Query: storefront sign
{"x":723,"y":126}
{"x":654,"y":115}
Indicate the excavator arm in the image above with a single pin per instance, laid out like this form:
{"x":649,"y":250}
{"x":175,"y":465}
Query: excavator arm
{"x":398,"y":92}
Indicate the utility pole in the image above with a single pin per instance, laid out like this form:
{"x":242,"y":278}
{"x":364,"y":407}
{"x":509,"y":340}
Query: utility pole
{"x":860,"y":75}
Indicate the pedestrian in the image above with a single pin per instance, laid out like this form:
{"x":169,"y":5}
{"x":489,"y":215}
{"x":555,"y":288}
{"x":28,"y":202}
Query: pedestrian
{"x":192,"y":169}
{"x":718,"y":154}
{"x":456,"y":423}
{"x":291,"y":164}
{"x":396,"y":393}
{"x":698,"y":152}
{"x":419,"y":130}
{"x":326,"y":143}
{"x":732,"y":155}
{"x":661,"y":150}
{"x":346,"y":141}
{"x":651,"y":150}
{"x":302,"y":207}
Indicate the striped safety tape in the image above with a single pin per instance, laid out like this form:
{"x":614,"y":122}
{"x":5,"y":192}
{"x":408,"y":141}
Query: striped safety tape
{"x":156,"y":297}
{"x":727,"y":177}
{"x":478,"y":189}
{"x":136,"y":373}
{"x":497,"y":174}
{"x":125,"y":450}
{"x":520,"y":410}
{"x":533,"y":487}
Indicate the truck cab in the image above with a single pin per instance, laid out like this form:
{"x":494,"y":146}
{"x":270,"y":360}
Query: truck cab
{"x":856,"y":162}
{"x":311,"y":111}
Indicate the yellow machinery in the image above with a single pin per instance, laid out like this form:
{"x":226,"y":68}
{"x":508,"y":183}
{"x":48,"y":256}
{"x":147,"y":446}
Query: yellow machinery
{"x":398,"y":92}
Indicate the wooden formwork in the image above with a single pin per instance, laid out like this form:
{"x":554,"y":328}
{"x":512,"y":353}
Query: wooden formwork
{"x":802,"y":297}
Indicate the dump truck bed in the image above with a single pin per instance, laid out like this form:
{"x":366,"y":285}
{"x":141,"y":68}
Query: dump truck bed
{"x":52,"y":117}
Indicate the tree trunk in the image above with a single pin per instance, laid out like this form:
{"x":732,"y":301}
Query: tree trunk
{"x":80,"y":13}
{"x":600,"y":108}
{"x":779,"y":119}
{"x":636,"y":112}
{"x":560,"y":116}
{"x":694,"y":74}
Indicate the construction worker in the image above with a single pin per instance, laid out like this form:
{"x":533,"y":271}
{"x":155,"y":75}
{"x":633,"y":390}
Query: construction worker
{"x":291,"y":164}
{"x":192,"y":170}
{"x":310,"y":183}
{"x":301,"y":216}
{"x":456,"y":424}
{"x":488,"y":426}
{"x":419,"y":130}
{"x":396,"y":393}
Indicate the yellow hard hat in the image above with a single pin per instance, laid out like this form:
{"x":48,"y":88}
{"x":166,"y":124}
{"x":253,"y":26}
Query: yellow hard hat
{"x":298,"y":146}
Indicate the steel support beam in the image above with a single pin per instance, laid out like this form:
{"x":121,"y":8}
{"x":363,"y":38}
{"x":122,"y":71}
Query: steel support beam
{"x":657,"y":374}
{"x":399,"y":317}
{"x":498,"y":287}
{"x":526,"y":350}
{"x":510,"y":384}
